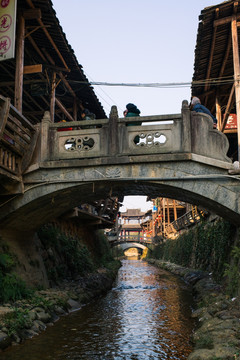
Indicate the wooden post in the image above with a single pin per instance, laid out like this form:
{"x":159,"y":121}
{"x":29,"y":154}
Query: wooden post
{"x":75,"y":109}
{"x":236,"y":66}
{"x":164,"y":217}
{"x":218,"y":113}
{"x":168,"y":213}
{"x":52,"y":99}
{"x":175,"y":210}
{"x":19,"y":64}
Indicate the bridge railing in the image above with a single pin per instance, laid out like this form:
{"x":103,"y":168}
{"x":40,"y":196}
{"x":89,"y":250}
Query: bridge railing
{"x":17,"y":139}
{"x":171,"y":136}
{"x":115,"y":136}
{"x":134,"y":238}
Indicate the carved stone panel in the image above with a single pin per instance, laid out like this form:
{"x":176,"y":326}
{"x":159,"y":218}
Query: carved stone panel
{"x":78,"y":145}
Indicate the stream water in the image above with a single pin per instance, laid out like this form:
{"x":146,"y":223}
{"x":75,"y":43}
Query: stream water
{"x":146,"y":316}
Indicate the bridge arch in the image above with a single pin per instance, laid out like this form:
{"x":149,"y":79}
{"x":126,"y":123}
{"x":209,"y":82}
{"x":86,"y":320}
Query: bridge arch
{"x":128,"y":245}
{"x":190,"y":181}
{"x":186,"y":167}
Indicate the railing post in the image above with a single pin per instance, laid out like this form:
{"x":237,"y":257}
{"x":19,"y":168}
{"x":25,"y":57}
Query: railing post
{"x":113,"y":140}
{"x":4,"y":111}
{"x":186,"y":127}
{"x":44,"y":135}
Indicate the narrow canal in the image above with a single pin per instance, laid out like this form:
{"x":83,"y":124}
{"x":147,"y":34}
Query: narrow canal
{"x":147,"y":315}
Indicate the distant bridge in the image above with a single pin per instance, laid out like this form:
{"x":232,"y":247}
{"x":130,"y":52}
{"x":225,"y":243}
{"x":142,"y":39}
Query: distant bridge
{"x":178,"y":156}
{"x":131,"y":241}
{"x":128,"y":239}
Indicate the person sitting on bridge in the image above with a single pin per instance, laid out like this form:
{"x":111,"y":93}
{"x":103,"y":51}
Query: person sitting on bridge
{"x":87,"y":115}
{"x":132,"y":111}
{"x":198,"y":107}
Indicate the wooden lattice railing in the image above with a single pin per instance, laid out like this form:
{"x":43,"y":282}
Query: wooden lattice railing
{"x":16,"y":138}
{"x":190,"y":218}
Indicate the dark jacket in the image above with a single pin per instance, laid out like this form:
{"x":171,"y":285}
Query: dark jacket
{"x":202,"y":109}
{"x":132,"y":112}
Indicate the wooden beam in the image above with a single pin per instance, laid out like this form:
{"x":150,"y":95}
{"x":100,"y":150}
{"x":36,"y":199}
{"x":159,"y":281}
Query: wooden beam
{"x":11,"y":83}
{"x":75,"y":109}
{"x":36,"y":48}
{"x":19,"y":64}
{"x":218,"y":112}
{"x":225,"y":20}
{"x":31,"y":69}
{"x":52,"y":98}
{"x":174,"y":210}
{"x":35,"y":28}
{"x":64,"y":110}
{"x":48,"y":36}
{"x":60,"y":74}
{"x":206,"y":87}
{"x":228,"y":109}
{"x":168,"y":213}
{"x":236,"y":66}
{"x":226,"y":56}
{"x":57,"y":68}
{"x":31,"y":14}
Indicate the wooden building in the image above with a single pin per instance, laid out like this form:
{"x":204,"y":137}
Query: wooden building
{"x":217,"y":69}
{"x":165,"y":211}
{"x":45,"y":75}
{"x":130,"y":222}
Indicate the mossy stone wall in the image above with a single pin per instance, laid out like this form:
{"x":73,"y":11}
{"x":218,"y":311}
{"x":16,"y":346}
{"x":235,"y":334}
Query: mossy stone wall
{"x":211,"y":247}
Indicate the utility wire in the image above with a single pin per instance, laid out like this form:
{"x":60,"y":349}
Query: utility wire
{"x":196,"y":83}
{"x":110,"y":105}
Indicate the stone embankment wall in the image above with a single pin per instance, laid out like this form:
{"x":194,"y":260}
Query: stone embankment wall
{"x":207,"y":258}
{"x":216,"y":336}
{"x":69,"y":264}
{"x":211,"y":247}
{"x":23,"y":319}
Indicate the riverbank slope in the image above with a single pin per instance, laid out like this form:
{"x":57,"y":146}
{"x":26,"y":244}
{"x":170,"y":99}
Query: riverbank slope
{"x":217,"y":334}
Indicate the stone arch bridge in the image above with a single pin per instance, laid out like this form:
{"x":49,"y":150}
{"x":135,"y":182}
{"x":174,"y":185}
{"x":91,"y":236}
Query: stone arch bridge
{"x":177,"y":156}
{"x":131,"y":241}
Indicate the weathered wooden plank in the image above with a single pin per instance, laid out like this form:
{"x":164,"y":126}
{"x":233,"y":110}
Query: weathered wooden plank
{"x":31,"y":69}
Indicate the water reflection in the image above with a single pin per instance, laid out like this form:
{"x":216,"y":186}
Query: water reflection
{"x":145,"y":316}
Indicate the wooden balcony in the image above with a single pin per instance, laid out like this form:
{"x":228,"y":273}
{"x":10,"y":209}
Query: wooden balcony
{"x":17,"y":141}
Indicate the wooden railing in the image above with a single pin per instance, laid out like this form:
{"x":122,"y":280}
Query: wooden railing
{"x":190,"y":218}
{"x":17,"y":139}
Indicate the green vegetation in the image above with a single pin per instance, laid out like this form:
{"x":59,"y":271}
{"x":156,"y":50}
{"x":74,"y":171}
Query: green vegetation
{"x":12,"y":288}
{"x":67,"y":257}
{"x":232,"y":272}
{"x":117,"y":252}
{"x":204,"y":342}
{"x":17,"y":320}
{"x":206,"y":247}
{"x":103,"y":249}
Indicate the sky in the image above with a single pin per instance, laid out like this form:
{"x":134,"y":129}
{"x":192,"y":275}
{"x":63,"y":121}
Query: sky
{"x":135,"y":42}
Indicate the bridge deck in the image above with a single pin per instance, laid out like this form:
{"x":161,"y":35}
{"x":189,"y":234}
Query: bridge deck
{"x":170,"y":159}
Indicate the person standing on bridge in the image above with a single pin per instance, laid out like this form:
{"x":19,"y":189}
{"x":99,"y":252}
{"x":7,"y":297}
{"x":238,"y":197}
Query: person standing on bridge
{"x":132,"y":111}
{"x":198,"y":107}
